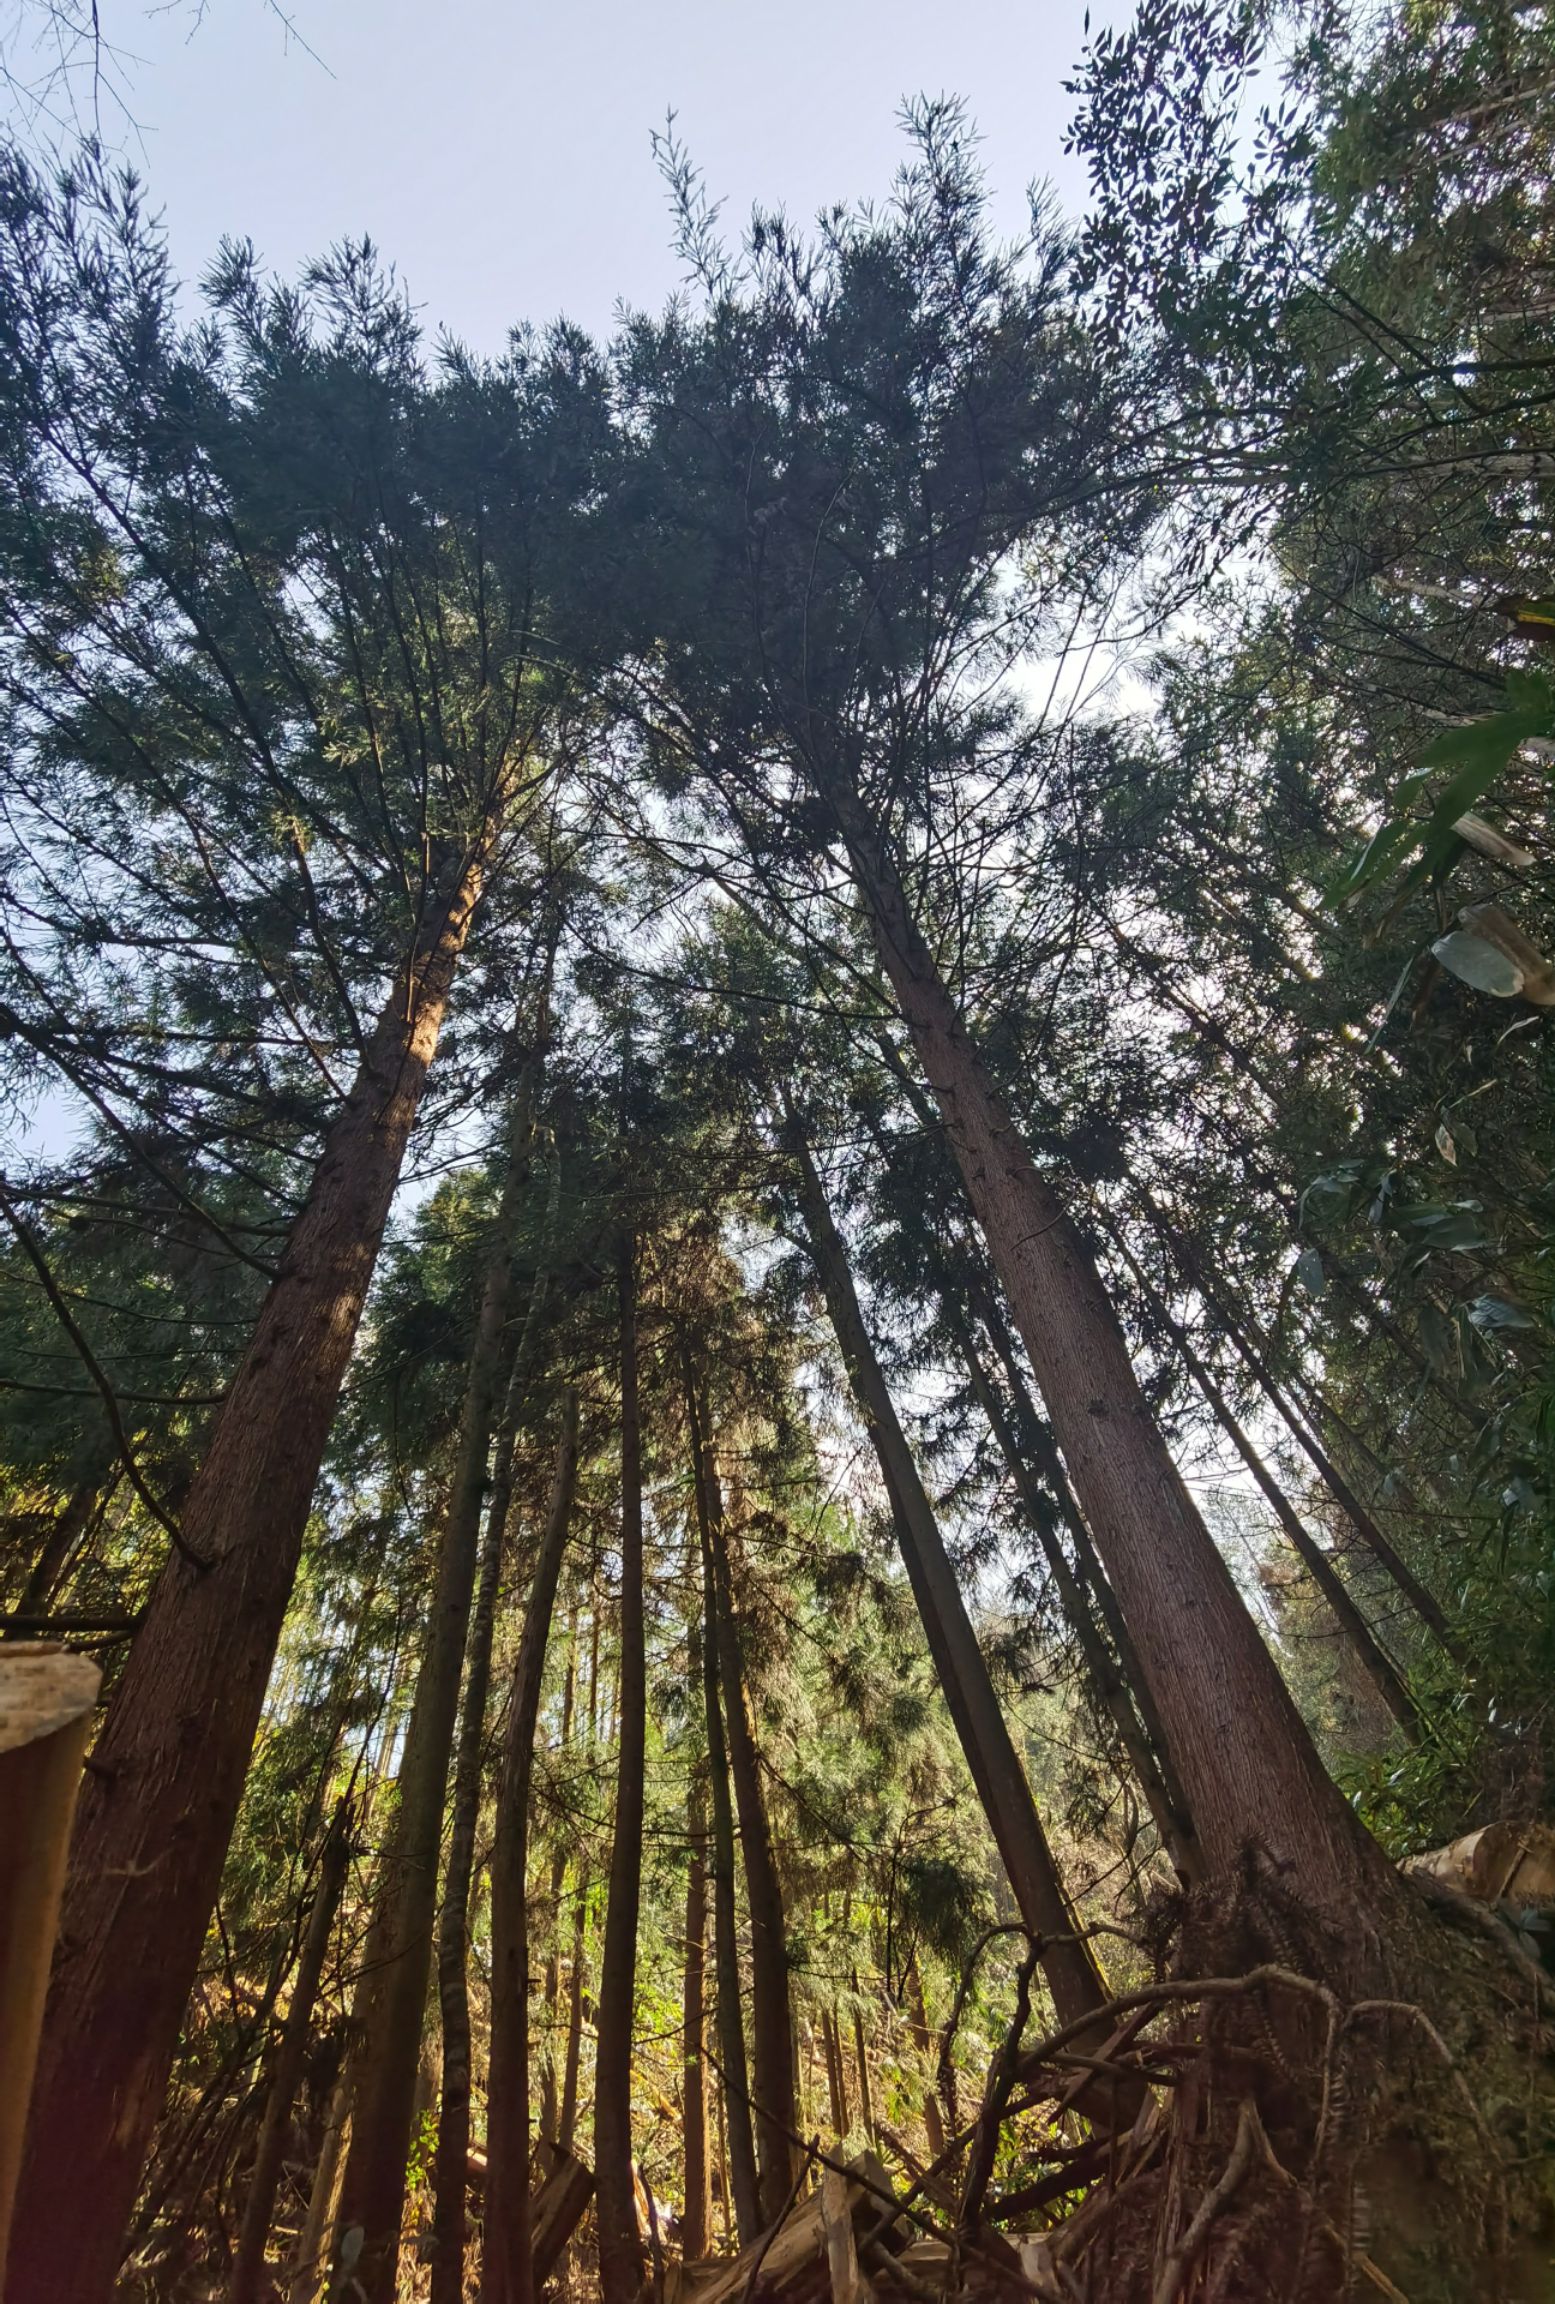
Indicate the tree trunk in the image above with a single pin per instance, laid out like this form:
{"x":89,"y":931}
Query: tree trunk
{"x":836,"y":2078}
{"x":696,"y":2221}
{"x":248,"y":2268}
{"x":451,"y":2176}
{"x":742,"y":2192}
{"x":620,"y":2249}
{"x":1248,"y":1767}
{"x":508,"y":2267}
{"x":1037,"y":1440}
{"x":82,"y":1507}
{"x":1106,"y":1678}
{"x":923,"y":2040}
{"x":307,"y":2267}
{"x":550,"y":2091}
{"x":1378,"y":1666}
{"x":1387,"y":1556}
{"x":772,"y":2023}
{"x":390,"y":2013}
{"x":157,"y":1809}
{"x":866,"y":2097}
{"x":567,"y":2119}
{"x":1375,"y":1662}
{"x":983,"y":1732}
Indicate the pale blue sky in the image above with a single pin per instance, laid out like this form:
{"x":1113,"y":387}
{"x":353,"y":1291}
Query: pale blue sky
{"x":498,"y":150}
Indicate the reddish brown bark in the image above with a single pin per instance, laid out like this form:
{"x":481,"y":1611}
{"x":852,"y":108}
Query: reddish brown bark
{"x":1108,"y":1685}
{"x":1247,"y":1764}
{"x":157,"y":1808}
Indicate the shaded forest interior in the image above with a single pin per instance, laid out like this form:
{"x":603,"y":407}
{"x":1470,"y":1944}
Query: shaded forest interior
{"x":778,"y":1267}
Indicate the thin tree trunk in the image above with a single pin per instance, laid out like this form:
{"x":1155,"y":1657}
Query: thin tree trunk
{"x":923,"y":2040}
{"x":866,"y":2096}
{"x":508,"y":2267}
{"x":973,"y":1703}
{"x":390,"y":2013}
{"x":620,"y":2248}
{"x":1106,"y":1678}
{"x":744,"y":2199}
{"x":772,"y":2023}
{"x":1248,"y":1767}
{"x":307,"y":2268}
{"x":550,"y":2092}
{"x":836,"y":2078}
{"x":1386,"y":1554}
{"x":696,"y":2221}
{"x":720,"y":2094}
{"x":157,"y":1808}
{"x":1378,"y":1666}
{"x":69,"y":1529}
{"x":567,"y":2118}
{"x":248,"y":2267}
{"x":451,"y":2174}
{"x":566,"y":2126}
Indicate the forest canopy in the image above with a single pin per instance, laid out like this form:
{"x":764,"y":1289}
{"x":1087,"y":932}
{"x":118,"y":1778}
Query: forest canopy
{"x":777,"y":1256}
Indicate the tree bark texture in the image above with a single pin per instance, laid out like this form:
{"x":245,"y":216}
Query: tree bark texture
{"x":157,"y":1811}
{"x":1248,"y":1766}
{"x":1106,"y":1677}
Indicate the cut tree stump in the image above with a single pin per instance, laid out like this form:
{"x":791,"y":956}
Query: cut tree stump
{"x":46,"y":1700}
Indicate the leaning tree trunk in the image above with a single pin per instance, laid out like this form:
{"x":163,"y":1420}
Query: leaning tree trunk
{"x":451,"y":2169}
{"x":1248,"y":1766}
{"x":620,"y":2249}
{"x":158,"y":1805}
{"x":772,"y":2024}
{"x":67,"y":1533}
{"x":973,"y":1703}
{"x":507,"y":2275}
{"x":696,"y":2221}
{"x":390,"y":2011}
{"x":741,"y":2191}
{"x":1035,"y":1438}
{"x":1107,"y":1682}
{"x":1424,"y":1602}
{"x":247,"y":2280}
{"x":1379,"y":1668}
